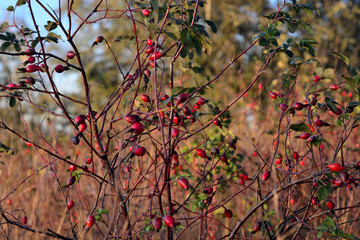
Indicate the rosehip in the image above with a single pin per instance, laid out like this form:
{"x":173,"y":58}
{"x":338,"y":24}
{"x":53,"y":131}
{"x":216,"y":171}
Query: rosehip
{"x":156,"y":56}
{"x":201,"y":153}
{"x":197,"y":106}
{"x":266,"y":175}
{"x":316,"y":78}
{"x":145,"y":98}
{"x":149,"y":42}
{"x":80,"y":119}
{"x":71,"y":181}
{"x":315,"y":201}
{"x":184,"y":183}
{"x":273,"y":95}
{"x":175,"y":133}
{"x":182,"y":97}
{"x":296,"y":155}
{"x":208,"y":190}
{"x":139,"y":151}
{"x":59,"y":68}
{"x":32,"y":68}
{"x":70,"y":204}
{"x":72,"y":168}
{"x":132,"y":118}
{"x":305,"y":136}
{"x":257,"y":226}
{"x":228,"y":213}
{"x":298,"y":106}
{"x":336,"y":167}
{"x":137,"y":127}
{"x":201,"y":101}
{"x":82,"y":127}
{"x":331,"y":205}
{"x":186,"y":110}
{"x":334,"y":87}
{"x":169,"y":221}
{"x":157,"y":223}
{"x":24,"y":220}
{"x":217,"y":122}
{"x":31,"y":60}
{"x":90,"y":221}
{"x":216,"y":151}
{"x":70,"y":55}
{"x":146,"y":12}
{"x":283,"y":106}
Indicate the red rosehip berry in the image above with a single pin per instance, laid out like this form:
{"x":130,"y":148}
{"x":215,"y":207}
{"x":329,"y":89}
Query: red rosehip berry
{"x":201,"y":153}
{"x":82,"y":127}
{"x":273,"y":95}
{"x":149,"y":42}
{"x":145,"y":98}
{"x":283,"y":106}
{"x":296,"y":155}
{"x":257,"y":227}
{"x":201,"y":101}
{"x":80,"y":119}
{"x":334,"y":87}
{"x":336,"y":167}
{"x":157,"y":223}
{"x":71,"y":181}
{"x":132,"y":118}
{"x":169,"y":221}
{"x":24,"y":220}
{"x":217,"y":122}
{"x":146,"y":12}
{"x":305,"y":136}
{"x":72,"y":168}
{"x":331,"y":204}
{"x":139,"y":151}
{"x":266,"y":175}
{"x":184,"y":183}
{"x":155,"y":56}
{"x":32,"y":68}
{"x":59,"y":68}
{"x":316,"y":78}
{"x":228,"y":213}
{"x":31,"y":60}
{"x":90,"y":221}
{"x":315,"y":201}
{"x":298,"y":106}
{"x":70,"y":55}
{"x":137,"y":127}
{"x":208,"y":190}
{"x":70,"y":204}
{"x":182,"y":97}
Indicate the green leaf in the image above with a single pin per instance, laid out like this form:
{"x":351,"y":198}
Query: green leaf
{"x":50,"y":26}
{"x":183,"y":35}
{"x":102,"y":211}
{"x":12,"y":102}
{"x":322,"y":193}
{"x":193,"y":207}
{"x":10,"y":8}
{"x":4,"y":46}
{"x":211,"y":25}
{"x":301,"y":127}
{"x":4,"y":26}
{"x":342,"y":57}
{"x":17,"y":46}
{"x":20,"y":2}
{"x":353,"y":104}
{"x":330,"y":103}
{"x":3,"y":37}
{"x":264,"y":42}
{"x":297,"y":61}
{"x":292,"y":26}
{"x":328,"y":222}
{"x":154,"y":4}
{"x":289,"y":53}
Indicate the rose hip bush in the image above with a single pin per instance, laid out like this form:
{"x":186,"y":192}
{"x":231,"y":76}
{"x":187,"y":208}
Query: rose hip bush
{"x":155,"y":159}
